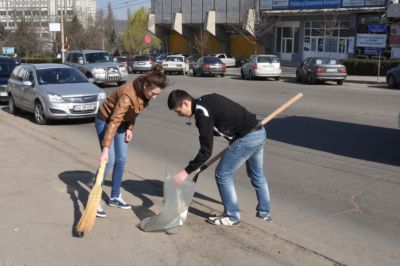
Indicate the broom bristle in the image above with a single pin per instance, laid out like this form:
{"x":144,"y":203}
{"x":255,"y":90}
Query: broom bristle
{"x":88,"y":217}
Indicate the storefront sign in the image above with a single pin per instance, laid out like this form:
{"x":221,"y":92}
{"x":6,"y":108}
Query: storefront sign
{"x":394,"y":38}
{"x":371,"y":40}
{"x":377,"y":28}
{"x":373,"y":51}
{"x":318,"y":4}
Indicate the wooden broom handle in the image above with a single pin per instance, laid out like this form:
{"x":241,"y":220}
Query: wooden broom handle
{"x":100,"y":172}
{"x":282,"y":108}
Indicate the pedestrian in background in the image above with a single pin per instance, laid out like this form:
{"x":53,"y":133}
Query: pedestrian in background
{"x":220,"y":116}
{"x":114,"y":124}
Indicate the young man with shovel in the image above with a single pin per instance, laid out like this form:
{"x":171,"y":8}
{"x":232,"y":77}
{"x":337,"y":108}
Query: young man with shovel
{"x":217,"y":115}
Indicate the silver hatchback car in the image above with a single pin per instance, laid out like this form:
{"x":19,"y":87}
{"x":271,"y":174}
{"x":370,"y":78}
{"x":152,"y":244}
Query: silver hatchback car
{"x":53,"y":91}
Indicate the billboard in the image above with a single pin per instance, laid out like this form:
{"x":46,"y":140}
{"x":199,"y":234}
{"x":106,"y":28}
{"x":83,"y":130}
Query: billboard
{"x":318,"y":4}
{"x":7,"y":50}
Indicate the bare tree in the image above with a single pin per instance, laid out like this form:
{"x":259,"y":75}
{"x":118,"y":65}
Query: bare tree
{"x":201,"y":41}
{"x":255,"y":27}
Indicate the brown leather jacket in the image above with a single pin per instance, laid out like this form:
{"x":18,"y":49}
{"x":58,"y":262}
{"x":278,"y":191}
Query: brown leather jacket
{"x":123,"y":106}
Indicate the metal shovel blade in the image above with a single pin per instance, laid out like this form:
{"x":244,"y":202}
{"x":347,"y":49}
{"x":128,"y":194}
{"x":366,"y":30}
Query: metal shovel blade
{"x":176,"y":205}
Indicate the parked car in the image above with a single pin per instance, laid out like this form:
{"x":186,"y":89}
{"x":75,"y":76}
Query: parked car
{"x":228,"y":61}
{"x":98,"y":65}
{"x":161,"y":58}
{"x":192,"y":59}
{"x":393,"y":77}
{"x":122,"y":59}
{"x":315,"y":69}
{"x":176,"y":63}
{"x":209,"y":65}
{"x":53,"y":91}
{"x":263,"y":65}
{"x":142,"y":63}
{"x":7,"y":65}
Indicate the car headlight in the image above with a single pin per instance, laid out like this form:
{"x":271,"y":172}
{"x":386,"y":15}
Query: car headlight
{"x":98,"y":71}
{"x":101,"y":96}
{"x":122,"y":69}
{"x":55,"y":98}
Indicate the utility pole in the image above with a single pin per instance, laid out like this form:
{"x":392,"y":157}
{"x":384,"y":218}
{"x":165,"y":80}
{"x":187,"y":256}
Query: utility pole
{"x":62,"y":31}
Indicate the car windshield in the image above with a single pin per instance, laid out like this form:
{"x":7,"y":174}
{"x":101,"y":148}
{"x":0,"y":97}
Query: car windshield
{"x":59,"y":76}
{"x":325,"y":61}
{"x":97,"y":58}
{"x":212,"y":60}
{"x":142,"y":58}
{"x":175,"y":59}
{"x":6,"y":69}
{"x":267,"y":59}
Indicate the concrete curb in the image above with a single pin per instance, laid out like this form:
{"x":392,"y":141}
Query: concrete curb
{"x":235,"y":72}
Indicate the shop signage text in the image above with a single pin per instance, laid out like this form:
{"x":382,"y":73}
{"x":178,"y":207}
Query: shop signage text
{"x":371,"y":40}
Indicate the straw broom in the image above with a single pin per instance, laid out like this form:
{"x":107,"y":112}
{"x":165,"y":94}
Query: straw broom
{"x":88,"y":217}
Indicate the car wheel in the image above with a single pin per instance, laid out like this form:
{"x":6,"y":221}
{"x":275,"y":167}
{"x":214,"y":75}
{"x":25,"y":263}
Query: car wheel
{"x":392,"y":81}
{"x":119,"y":83}
{"x":277,"y":78}
{"x":310,"y":78}
{"x":242,"y":74}
{"x":222,"y":75}
{"x":40,"y":117}
{"x":340,"y":82}
{"x":11,"y":105}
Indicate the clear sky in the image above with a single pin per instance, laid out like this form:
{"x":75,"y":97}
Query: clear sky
{"x":120,"y":7}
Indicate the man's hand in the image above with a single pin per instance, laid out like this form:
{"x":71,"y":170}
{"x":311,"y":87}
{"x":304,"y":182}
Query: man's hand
{"x":179,"y":177}
{"x":128,"y":135}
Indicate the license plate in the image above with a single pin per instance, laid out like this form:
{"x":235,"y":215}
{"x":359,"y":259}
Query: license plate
{"x":3,"y":93}
{"x":113,"y":75}
{"x":141,"y":63}
{"x":331,"y":70}
{"x":83,"y":107}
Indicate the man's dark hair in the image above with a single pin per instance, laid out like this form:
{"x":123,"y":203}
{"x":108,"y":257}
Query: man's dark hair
{"x":176,"y":98}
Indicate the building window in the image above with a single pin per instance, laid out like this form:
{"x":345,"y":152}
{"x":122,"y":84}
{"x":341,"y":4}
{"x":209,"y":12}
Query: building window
{"x":326,"y":36}
{"x":287,"y":39}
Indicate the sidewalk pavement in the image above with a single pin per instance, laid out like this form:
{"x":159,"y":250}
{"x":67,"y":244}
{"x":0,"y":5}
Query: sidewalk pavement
{"x":289,"y":73}
{"x":44,"y":183}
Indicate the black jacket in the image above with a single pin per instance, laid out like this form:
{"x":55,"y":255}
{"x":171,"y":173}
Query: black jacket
{"x":219,"y":116}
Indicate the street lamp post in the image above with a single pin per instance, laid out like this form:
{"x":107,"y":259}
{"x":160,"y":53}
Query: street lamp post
{"x":62,"y":31}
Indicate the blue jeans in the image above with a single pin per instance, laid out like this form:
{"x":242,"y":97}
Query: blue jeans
{"x":249,"y":150}
{"x":116,"y":155}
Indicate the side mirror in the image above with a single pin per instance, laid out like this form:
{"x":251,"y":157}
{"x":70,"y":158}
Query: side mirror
{"x":27,"y":83}
{"x":80,"y":60}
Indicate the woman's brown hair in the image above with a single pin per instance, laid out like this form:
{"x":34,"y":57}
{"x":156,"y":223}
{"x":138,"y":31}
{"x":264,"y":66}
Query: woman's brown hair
{"x":154,"y":78}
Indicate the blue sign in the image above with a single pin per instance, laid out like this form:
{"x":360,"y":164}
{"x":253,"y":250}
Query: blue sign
{"x":318,"y":4}
{"x":377,"y":28}
{"x":373,"y":51}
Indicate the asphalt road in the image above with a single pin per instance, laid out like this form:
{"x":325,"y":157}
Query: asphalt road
{"x":332,"y":161}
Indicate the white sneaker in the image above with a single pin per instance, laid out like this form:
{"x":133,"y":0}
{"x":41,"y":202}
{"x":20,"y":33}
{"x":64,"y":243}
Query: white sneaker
{"x":100,"y":212}
{"x":119,"y":202}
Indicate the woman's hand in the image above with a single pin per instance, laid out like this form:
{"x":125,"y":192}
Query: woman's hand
{"x":179,"y":177}
{"x":104,"y":154}
{"x":128,"y":135}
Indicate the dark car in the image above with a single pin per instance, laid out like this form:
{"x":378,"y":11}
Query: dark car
{"x":7,"y":65}
{"x":315,"y":69}
{"x":393,"y":77}
{"x":209,"y":65}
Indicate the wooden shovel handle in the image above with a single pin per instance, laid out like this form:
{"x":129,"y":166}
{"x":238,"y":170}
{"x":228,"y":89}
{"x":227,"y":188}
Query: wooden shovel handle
{"x":282,"y":108}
